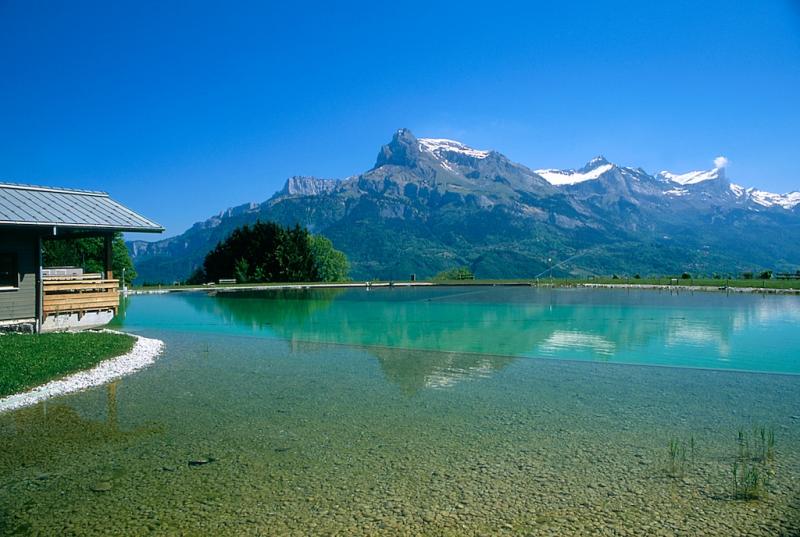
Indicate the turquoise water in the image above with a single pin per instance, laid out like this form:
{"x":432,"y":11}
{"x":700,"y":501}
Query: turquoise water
{"x":428,"y":411}
{"x":704,"y":330}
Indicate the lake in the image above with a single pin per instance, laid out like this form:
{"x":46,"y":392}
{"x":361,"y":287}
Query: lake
{"x":429,"y":410}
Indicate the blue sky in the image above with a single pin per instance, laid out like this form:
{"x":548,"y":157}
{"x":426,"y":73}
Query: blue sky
{"x":181,"y":109}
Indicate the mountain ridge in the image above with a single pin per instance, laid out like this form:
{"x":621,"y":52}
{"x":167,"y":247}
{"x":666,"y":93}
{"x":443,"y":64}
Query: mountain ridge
{"x":431,"y":203}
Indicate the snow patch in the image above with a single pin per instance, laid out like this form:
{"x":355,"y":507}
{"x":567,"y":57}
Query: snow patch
{"x":676,"y":192}
{"x":438,"y":146}
{"x":769,"y":199}
{"x":691,"y":178}
{"x":738,"y":190}
{"x":572,"y":177}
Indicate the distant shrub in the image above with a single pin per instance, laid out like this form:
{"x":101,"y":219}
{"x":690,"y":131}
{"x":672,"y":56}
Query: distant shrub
{"x":615,"y":277}
{"x":716,"y":276}
{"x":636,"y":277}
{"x":686,"y":276}
{"x":747,"y":275}
{"x":765,"y":275}
{"x":458,"y":273}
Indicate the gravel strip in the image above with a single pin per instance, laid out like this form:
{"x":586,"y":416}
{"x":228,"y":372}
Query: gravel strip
{"x":144,"y":352}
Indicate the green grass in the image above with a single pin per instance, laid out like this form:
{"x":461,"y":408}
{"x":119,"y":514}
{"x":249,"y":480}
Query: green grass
{"x":29,"y":360}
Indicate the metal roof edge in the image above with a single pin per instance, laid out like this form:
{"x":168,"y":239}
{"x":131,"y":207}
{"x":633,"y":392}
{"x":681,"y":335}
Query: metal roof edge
{"x":100,"y":227}
{"x":61,"y":190}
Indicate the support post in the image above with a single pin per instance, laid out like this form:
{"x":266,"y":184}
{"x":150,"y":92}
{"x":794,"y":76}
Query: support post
{"x":39,"y":285}
{"x":107,"y":238}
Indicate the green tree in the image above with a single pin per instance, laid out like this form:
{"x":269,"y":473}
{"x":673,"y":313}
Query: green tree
{"x":241,"y":270}
{"x":295,"y":256}
{"x":268,"y":252}
{"x":330,"y":264}
{"x":88,"y":253}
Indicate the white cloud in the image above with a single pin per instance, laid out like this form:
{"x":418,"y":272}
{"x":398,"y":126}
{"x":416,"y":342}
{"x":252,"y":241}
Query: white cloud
{"x":720,"y":162}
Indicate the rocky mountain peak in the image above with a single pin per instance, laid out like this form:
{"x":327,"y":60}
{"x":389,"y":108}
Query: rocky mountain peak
{"x":307,"y":186}
{"x":595,"y":163}
{"x":403,"y":150}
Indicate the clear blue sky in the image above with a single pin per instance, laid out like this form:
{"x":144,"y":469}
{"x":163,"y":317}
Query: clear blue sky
{"x":181,"y":109}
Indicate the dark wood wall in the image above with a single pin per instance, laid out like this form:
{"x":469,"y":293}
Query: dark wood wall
{"x":20,"y":303}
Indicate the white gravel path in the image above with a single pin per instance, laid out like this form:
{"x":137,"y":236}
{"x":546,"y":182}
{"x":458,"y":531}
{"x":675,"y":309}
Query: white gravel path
{"x":144,"y":352}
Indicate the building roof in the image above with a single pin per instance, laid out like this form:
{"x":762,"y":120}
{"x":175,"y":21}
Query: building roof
{"x":28,"y":205}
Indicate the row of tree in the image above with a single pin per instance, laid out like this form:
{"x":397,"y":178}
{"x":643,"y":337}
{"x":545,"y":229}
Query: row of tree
{"x":269,"y":252}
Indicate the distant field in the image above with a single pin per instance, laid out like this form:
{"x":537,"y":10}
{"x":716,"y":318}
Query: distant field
{"x":703,"y":282}
{"x":558,"y":282}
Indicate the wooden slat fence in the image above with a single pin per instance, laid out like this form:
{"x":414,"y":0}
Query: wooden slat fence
{"x":79,"y":295}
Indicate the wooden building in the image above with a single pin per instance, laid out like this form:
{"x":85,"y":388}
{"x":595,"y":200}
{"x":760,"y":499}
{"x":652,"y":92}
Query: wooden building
{"x":34,"y":299}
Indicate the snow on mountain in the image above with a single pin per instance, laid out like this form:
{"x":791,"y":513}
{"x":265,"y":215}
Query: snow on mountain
{"x":676,"y":192}
{"x":766,"y":199}
{"x":769,"y":199}
{"x":738,"y":190}
{"x":692,"y":178}
{"x":593,"y":169}
{"x":441,"y":146}
{"x":759,"y":197}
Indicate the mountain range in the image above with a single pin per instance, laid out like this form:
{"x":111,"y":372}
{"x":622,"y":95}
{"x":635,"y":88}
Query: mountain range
{"x":430,"y":204}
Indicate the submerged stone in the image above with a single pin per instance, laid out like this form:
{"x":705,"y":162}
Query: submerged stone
{"x":201,"y":461}
{"x":102,"y":486}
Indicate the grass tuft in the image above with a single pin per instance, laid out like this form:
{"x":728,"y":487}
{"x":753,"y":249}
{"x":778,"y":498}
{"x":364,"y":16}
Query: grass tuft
{"x":677,"y":459}
{"x":751,"y":469}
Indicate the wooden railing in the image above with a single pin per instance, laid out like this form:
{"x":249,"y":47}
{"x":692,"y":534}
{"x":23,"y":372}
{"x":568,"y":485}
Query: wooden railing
{"x":79,"y":294}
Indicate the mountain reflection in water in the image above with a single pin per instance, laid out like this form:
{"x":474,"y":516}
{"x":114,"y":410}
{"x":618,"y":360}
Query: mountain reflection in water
{"x":449,"y":334}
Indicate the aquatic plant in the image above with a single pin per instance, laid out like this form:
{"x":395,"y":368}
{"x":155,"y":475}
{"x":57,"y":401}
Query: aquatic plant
{"x":758,"y":447}
{"x":749,"y":480}
{"x":676,"y":457}
{"x":751,"y":469}
{"x":743,"y":445}
{"x":766,"y":443}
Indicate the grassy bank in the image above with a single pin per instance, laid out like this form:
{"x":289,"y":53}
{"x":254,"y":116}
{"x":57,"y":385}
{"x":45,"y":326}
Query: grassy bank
{"x":555,"y":282}
{"x":29,"y":360}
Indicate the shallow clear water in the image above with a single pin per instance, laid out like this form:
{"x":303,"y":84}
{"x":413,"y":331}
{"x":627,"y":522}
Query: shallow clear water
{"x":441,"y":411}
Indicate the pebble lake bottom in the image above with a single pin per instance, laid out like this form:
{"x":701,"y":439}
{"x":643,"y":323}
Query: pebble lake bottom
{"x":424,"y":412}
